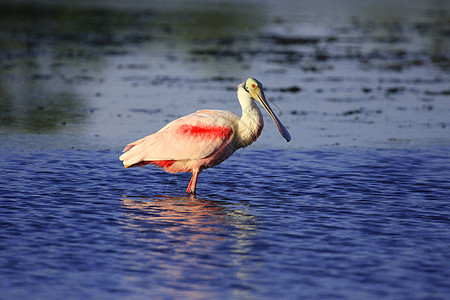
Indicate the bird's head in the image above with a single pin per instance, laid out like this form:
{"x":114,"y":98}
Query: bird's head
{"x":255,"y":89}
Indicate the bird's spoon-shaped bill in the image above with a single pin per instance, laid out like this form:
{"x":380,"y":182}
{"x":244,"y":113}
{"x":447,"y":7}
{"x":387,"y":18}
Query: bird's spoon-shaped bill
{"x":262,"y":99}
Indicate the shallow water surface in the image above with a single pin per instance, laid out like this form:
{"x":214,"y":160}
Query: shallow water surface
{"x":323,"y":223}
{"x":354,"y":207}
{"x":348,"y":74}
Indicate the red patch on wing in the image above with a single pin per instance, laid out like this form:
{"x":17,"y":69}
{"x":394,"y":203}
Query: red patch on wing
{"x":162,"y":163}
{"x":205,"y":131}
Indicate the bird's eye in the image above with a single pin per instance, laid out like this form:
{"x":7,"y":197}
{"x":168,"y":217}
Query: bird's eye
{"x":253,"y":86}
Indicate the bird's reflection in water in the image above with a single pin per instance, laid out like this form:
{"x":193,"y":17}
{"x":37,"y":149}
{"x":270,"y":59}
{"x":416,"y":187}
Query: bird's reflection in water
{"x":189,"y":246}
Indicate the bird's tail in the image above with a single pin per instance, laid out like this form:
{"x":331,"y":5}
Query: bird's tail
{"x":134,"y":154}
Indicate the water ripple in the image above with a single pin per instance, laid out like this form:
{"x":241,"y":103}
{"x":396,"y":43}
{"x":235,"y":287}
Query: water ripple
{"x":322,"y":223}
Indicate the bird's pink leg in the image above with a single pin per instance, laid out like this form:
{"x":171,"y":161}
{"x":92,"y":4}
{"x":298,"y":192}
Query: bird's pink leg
{"x":192,"y":184}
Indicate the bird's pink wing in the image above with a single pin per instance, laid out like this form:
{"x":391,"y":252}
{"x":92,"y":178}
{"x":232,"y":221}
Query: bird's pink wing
{"x":194,"y":136}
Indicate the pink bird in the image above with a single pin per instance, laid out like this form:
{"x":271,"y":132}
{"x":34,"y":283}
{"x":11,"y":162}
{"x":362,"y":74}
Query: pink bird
{"x":205,"y":138}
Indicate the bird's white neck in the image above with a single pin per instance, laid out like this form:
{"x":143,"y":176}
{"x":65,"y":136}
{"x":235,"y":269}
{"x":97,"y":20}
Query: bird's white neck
{"x":251,"y":122}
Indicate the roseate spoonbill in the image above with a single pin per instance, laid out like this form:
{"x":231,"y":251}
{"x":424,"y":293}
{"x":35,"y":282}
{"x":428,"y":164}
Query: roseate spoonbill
{"x":205,"y":138}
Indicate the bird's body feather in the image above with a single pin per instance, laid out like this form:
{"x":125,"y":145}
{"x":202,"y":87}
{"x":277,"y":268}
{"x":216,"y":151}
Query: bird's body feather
{"x":198,"y":140}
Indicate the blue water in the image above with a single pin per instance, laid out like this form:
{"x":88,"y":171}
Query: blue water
{"x":327,"y":223}
{"x":330,"y":216}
